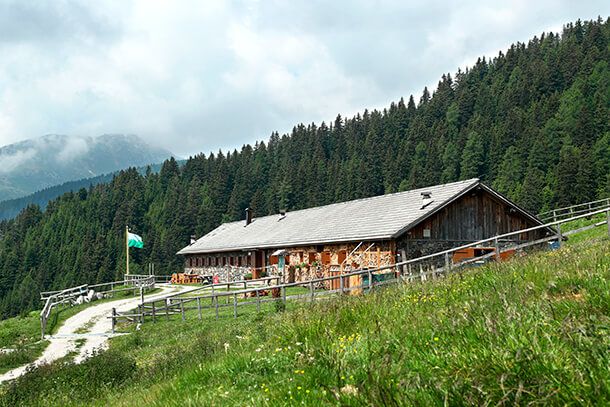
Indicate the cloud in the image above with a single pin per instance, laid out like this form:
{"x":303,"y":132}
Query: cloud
{"x":73,"y":148}
{"x":196,"y":76}
{"x":12,"y":162}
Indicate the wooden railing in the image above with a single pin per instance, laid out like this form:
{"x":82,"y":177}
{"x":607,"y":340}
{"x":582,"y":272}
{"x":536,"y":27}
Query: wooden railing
{"x":70,"y":295}
{"x":422,"y":268}
{"x":573,"y":210}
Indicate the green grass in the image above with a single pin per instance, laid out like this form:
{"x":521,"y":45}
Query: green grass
{"x":531,"y":330}
{"x":22,"y":334}
{"x":594,"y":234}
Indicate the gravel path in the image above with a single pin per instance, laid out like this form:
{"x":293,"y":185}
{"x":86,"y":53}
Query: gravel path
{"x":98,"y":329}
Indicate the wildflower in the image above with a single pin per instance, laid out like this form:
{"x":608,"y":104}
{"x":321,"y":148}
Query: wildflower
{"x":257,"y":350}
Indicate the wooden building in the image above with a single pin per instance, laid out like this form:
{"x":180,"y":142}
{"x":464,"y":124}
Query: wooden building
{"x":367,"y":232}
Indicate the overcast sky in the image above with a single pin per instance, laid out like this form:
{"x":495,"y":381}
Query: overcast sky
{"x":195,"y":76}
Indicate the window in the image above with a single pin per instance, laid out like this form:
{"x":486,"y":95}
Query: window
{"x":341,"y":256}
{"x":312,"y":257}
{"x":273,"y":260}
{"x":426,"y":232}
{"x":325,"y":258}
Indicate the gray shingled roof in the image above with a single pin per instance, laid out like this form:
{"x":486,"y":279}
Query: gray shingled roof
{"x":375,"y":218}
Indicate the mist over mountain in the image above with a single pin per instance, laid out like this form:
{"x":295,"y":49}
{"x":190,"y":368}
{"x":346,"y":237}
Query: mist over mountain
{"x":35,"y":164}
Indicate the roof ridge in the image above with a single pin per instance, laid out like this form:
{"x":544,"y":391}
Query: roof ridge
{"x":466,"y":181}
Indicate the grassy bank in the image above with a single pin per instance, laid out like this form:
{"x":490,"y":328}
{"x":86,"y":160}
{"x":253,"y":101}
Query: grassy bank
{"x":532,"y":329}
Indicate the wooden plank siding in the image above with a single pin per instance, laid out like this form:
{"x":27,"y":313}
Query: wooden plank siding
{"x":476,"y":216}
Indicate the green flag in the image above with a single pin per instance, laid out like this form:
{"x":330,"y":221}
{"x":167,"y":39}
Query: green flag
{"x":134,"y":240}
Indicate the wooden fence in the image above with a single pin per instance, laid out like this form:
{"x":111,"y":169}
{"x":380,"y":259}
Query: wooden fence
{"x":573,"y":210}
{"x":69,"y":295}
{"x":358,"y":281}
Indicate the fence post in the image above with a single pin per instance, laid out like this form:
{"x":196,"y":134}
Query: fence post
{"x":311,"y":291}
{"x":142,"y":301}
{"x":370,"y":275}
{"x":113,"y":319}
{"x":167,"y":305}
{"x":216,"y":304}
{"x":153,"y":311}
{"x":497,"y":248}
{"x":341,"y":282}
{"x":182,"y":310}
{"x":422,"y":277}
{"x":284,"y":295}
{"x":199,"y":306}
{"x":559,"y":236}
{"x":234,"y":305}
{"x":258,"y":301}
{"x":608,"y":221}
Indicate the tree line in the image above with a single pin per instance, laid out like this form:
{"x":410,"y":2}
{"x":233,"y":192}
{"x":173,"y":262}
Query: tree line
{"x":532,"y":122}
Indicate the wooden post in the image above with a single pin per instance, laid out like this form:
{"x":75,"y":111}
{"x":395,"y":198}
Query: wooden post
{"x":153,"y":312}
{"x":234,"y":305}
{"x":284,"y":294}
{"x":559,"y":235}
{"x":199,"y":306}
{"x":370,"y":275}
{"x":182,"y":310}
{"x":311,"y":294}
{"x":447,"y":263}
{"x":403,"y":257}
{"x":142,"y":296}
{"x":422,"y":277}
{"x":554,"y":216}
{"x":216,"y":305}
{"x":113,"y":319}
{"x":167,"y":304}
{"x":258,"y":301}
{"x":341,"y":282}
{"x":497,"y":248}
{"x":608,"y":221}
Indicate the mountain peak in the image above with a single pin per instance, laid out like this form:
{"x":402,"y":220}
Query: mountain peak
{"x":52,"y":159}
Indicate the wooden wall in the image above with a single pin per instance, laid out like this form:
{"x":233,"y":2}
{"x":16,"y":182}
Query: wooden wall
{"x":475,"y":216}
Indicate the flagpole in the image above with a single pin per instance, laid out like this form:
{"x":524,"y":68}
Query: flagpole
{"x":127,"y":247}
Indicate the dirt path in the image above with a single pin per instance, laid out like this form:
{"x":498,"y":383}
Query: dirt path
{"x":93,"y":320}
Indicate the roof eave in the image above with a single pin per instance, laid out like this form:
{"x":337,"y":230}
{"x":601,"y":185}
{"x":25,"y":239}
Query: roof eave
{"x":295,"y":244}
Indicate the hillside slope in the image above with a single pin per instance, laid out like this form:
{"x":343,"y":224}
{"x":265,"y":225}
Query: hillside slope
{"x":32,"y":165}
{"x":12,"y":207}
{"x":532,"y":329}
{"x":533,"y":122}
